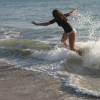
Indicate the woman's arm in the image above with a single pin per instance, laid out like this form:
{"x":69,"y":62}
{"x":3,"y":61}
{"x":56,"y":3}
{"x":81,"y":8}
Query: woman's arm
{"x":43,"y":24}
{"x":70,"y":13}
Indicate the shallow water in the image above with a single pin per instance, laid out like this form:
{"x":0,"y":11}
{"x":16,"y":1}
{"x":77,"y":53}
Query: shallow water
{"x":39,"y":48}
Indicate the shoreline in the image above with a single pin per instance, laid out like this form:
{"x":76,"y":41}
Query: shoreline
{"x":21,"y":84}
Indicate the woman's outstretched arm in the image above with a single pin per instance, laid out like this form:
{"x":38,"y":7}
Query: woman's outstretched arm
{"x":72,"y":12}
{"x":43,"y":24}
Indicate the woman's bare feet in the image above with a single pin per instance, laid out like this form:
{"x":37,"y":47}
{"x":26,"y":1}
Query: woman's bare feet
{"x":79,"y":52}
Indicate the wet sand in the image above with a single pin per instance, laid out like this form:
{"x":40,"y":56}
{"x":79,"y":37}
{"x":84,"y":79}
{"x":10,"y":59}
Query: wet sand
{"x":20,"y":84}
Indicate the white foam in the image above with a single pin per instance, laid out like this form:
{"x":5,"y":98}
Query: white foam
{"x":73,"y":82}
{"x":90,"y":55}
{"x":91,"y":58}
{"x":8,"y":33}
{"x":52,"y":55}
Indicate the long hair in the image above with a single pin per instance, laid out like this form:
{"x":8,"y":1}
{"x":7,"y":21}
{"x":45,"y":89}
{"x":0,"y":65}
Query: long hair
{"x":58,"y":15}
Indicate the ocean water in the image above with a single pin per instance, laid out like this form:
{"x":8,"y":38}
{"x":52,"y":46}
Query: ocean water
{"x":39,"y":48}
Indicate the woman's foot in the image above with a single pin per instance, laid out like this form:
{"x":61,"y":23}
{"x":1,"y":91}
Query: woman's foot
{"x":79,"y":52}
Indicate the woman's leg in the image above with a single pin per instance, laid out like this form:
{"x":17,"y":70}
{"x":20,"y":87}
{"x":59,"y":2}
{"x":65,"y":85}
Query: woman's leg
{"x":64,"y":38}
{"x":72,"y":41}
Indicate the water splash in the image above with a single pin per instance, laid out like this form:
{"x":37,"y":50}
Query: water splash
{"x":87,"y":22}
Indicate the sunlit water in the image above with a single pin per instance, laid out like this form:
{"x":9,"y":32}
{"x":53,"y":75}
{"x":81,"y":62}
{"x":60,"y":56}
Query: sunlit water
{"x":39,"y":48}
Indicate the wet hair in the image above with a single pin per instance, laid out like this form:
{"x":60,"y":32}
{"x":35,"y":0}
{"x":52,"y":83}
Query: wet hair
{"x":58,"y":15}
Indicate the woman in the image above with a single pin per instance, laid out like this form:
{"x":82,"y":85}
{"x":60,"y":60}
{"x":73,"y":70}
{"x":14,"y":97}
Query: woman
{"x":61,"y":20}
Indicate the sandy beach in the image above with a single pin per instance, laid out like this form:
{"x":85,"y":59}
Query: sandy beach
{"x":20,"y":84}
